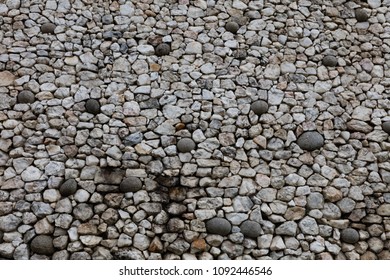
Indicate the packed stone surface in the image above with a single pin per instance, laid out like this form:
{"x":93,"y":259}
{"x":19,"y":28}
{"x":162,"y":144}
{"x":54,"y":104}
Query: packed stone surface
{"x":133,"y":129}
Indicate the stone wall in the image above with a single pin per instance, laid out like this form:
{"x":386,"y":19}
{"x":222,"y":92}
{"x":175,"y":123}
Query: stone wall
{"x":194,"y":129}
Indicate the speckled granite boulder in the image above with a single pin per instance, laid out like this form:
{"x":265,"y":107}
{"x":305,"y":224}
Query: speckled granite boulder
{"x":219,"y":226}
{"x":310,"y":140}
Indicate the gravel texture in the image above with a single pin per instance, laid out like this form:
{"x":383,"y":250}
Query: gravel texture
{"x":205,"y":129}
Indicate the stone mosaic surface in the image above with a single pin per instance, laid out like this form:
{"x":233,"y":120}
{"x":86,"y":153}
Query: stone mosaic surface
{"x":194,"y":129}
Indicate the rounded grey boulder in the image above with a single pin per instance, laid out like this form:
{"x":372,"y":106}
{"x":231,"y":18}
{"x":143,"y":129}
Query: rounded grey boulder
{"x":250,"y":229}
{"x":232,"y":26}
{"x":259,"y":107}
{"x":162,"y":49}
{"x":330,"y":61}
{"x":310,"y":140}
{"x":92,"y":106}
{"x":361,"y":15}
{"x":349,"y":235}
{"x":386,"y":127}
{"x":69,"y":187}
{"x":26,"y":96}
{"x":42,"y":245}
{"x":186,"y":145}
{"x":48,"y":27}
{"x":219,"y":226}
{"x":130,"y":184}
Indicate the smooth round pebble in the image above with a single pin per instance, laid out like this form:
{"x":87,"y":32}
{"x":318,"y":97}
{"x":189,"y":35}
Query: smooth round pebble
{"x":42,"y":245}
{"x":130,"y":184}
{"x":162,"y":49}
{"x":69,"y":187}
{"x":349,"y":235}
{"x":48,"y":28}
{"x":186,"y":145}
{"x":219,"y":226}
{"x":250,"y":229}
{"x":310,"y":140}
{"x":386,"y":127}
{"x":92,"y":106}
{"x":330,"y":61}
{"x":232,"y":26}
{"x":259,"y":107}
{"x":26,"y":96}
{"x":361,"y":15}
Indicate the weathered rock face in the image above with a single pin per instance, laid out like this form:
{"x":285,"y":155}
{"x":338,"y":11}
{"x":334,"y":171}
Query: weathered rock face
{"x":6,"y":78}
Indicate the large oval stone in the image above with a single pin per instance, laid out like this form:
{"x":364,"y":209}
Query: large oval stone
{"x":130,"y":184}
{"x":361,"y":15}
{"x":259,"y":107}
{"x":232,"y":27}
{"x":310,"y":140}
{"x":42,"y":245}
{"x":69,"y":187}
{"x":162,"y":49}
{"x":250,"y":229}
{"x":26,"y":96}
{"x":219,"y":226}
{"x":349,"y":235}
{"x":48,"y":27}
{"x":386,"y":127}
{"x":92,"y":106}
{"x":186,"y":145}
{"x":330,"y":61}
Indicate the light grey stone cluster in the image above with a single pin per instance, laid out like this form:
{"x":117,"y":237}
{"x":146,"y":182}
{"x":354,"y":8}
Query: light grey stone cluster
{"x":204,"y":129}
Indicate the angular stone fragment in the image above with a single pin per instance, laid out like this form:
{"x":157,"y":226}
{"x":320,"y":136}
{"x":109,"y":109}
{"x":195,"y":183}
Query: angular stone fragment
{"x":308,"y":225}
{"x":310,"y":140}
{"x":6,"y":78}
{"x":83,"y":212}
{"x":219,"y":226}
{"x":9,"y":223}
{"x":384,"y":210}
